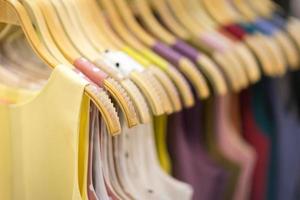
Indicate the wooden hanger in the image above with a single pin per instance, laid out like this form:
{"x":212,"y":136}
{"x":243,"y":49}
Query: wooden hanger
{"x":186,"y":68}
{"x":112,"y":37}
{"x":254,"y":9}
{"x":120,"y":28}
{"x":145,"y":85}
{"x":206,"y":66}
{"x":66,"y":46}
{"x":12,"y":12}
{"x":88,"y":29}
{"x":271,"y":67}
{"x":182,"y":15}
{"x":72,"y":30}
{"x":165,"y":100}
{"x":37,"y":18}
{"x":237,"y":53}
{"x":146,"y":15}
{"x":293,"y":28}
{"x":149,"y":19}
{"x":131,"y":88}
{"x":228,"y":63}
{"x":243,"y":71}
{"x":263,"y":7}
{"x":168,"y":20}
{"x":218,"y":11}
{"x":293,"y":24}
{"x":89,"y":11}
{"x":244,"y":9}
{"x":283,"y":39}
{"x":50,"y":42}
{"x":274,"y":43}
{"x":196,"y":9}
{"x":91,"y":28}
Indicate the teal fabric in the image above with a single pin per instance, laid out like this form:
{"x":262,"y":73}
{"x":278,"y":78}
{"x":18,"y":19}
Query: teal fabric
{"x":263,"y":116}
{"x":249,"y":28}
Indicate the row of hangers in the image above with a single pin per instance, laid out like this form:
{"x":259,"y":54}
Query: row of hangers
{"x":115,"y":45}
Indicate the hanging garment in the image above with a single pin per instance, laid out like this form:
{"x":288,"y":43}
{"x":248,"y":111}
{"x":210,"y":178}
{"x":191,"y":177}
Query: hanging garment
{"x":162,"y":181}
{"x":130,"y":166}
{"x":211,"y":143}
{"x":39,"y":141}
{"x":263,"y":114}
{"x":91,"y":192}
{"x":189,"y":159}
{"x":254,"y":135}
{"x":160,"y":127}
{"x":288,"y":133}
{"x":98,"y":174}
{"x":233,"y":146}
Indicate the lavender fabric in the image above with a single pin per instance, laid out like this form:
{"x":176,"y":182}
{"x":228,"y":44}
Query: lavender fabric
{"x":190,"y":162}
{"x":168,"y":53}
{"x":265,"y":26}
{"x":186,"y":50}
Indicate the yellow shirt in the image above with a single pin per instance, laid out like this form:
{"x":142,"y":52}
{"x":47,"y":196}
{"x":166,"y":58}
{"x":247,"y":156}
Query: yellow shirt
{"x":39,"y":140}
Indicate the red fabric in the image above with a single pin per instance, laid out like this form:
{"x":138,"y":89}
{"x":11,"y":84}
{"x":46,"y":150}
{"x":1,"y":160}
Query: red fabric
{"x":260,"y":142}
{"x":235,"y":30}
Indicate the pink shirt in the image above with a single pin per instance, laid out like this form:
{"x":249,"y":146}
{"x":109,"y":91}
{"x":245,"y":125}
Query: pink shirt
{"x":233,"y":146}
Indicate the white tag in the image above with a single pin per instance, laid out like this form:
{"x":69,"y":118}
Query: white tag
{"x":123,"y":62}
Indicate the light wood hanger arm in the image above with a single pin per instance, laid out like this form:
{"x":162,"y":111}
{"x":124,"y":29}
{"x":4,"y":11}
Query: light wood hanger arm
{"x":164,"y":13}
{"x":182,"y":17}
{"x":143,"y":10}
{"x":116,"y":22}
{"x":101,"y":25}
{"x":196,"y":7}
{"x":244,"y":9}
{"x":218,"y":11}
{"x":41,"y":26}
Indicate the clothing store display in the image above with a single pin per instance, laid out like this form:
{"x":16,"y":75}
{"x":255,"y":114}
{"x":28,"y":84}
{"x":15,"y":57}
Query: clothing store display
{"x":154,"y":100}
